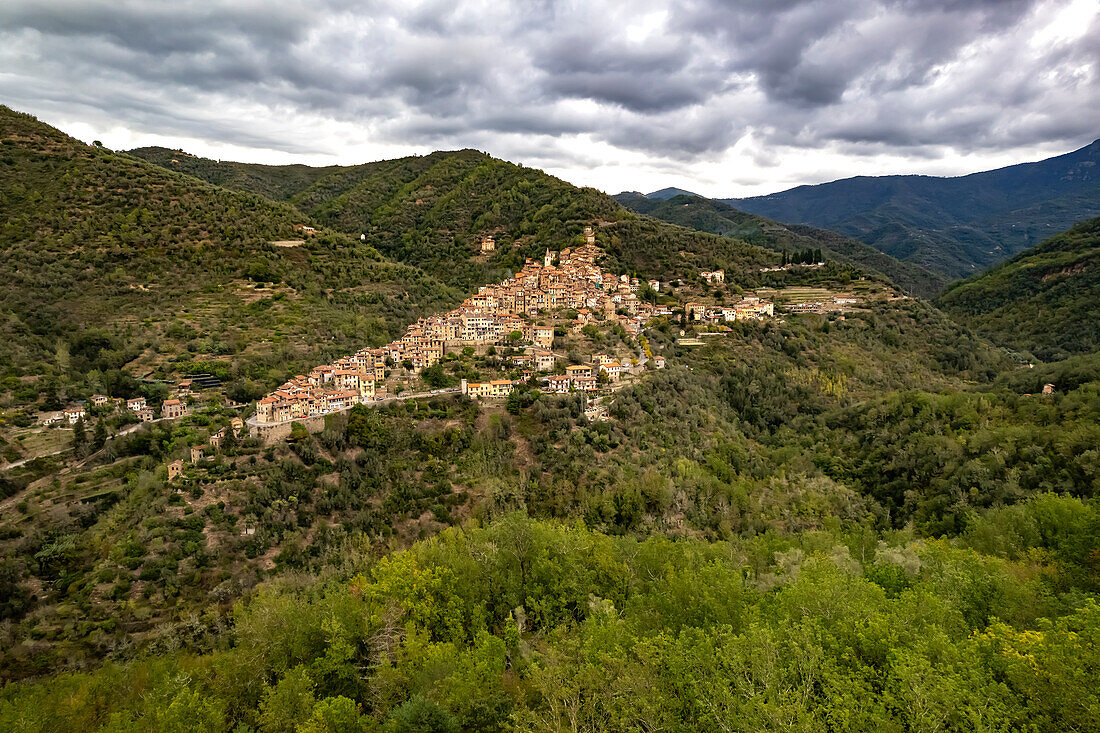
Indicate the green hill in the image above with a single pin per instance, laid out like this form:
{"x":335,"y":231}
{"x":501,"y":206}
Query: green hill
{"x":712,"y":216}
{"x":277,"y":182}
{"x":120,"y":269}
{"x":110,"y":262}
{"x":431,"y":211}
{"x":952,"y":226}
{"x":1045,"y":300}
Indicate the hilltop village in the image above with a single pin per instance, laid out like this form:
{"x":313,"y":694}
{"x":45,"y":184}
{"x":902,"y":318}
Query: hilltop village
{"x":504,"y":337}
{"x":521,"y":310}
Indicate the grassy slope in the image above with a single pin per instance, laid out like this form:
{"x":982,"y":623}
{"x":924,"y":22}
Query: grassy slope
{"x":166,"y":266}
{"x":712,"y":216}
{"x":1045,"y":300}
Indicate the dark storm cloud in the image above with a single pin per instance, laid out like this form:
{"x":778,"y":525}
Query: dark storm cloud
{"x":685,"y":80}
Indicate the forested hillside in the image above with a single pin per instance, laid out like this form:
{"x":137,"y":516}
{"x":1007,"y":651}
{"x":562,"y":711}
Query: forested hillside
{"x":952,"y":226}
{"x":1045,"y":300}
{"x":431,"y":211}
{"x":531,"y":626}
{"x":111,"y":262}
{"x":276,"y":182}
{"x":708,"y":215}
{"x":862,"y":425}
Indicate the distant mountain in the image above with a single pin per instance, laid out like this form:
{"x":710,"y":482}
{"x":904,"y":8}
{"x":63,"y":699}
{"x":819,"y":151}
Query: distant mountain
{"x":1045,"y":300}
{"x":712,"y":216}
{"x":953,"y":226}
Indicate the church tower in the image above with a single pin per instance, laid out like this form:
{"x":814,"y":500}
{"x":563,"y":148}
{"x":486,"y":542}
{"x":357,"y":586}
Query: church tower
{"x":548,"y":260}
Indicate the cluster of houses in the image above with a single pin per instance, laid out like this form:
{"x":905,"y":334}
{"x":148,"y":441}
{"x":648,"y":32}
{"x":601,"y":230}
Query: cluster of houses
{"x":349,"y":381}
{"x":175,"y":407}
{"x":577,"y":378}
{"x":749,"y":308}
{"x":585,"y":377}
{"x":499,"y":314}
{"x":199,"y":452}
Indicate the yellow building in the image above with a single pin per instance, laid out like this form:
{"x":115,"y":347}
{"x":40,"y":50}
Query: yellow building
{"x":487,"y":390}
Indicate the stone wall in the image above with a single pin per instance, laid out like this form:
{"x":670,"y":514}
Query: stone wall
{"x":271,"y":433}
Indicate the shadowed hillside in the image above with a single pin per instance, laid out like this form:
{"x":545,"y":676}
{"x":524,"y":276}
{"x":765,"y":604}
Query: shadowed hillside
{"x":1045,"y":300}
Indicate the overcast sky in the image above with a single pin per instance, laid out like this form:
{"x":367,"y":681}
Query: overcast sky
{"x":729,"y":98}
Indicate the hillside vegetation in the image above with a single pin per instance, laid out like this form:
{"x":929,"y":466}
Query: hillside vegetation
{"x":276,"y":182}
{"x":708,"y":215}
{"x":1045,"y":300}
{"x":811,"y":425}
{"x":952,"y":226}
{"x":533,"y":626}
{"x":432,"y":211}
{"x":109,"y":262}
{"x":862,"y":518}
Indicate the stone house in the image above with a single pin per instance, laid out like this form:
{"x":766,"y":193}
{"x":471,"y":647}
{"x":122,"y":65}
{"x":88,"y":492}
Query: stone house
{"x":172,"y":409}
{"x":579,"y":370}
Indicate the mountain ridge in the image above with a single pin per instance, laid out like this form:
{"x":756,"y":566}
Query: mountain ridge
{"x":713,"y":216}
{"x":425,"y":211}
{"x":953,"y":225}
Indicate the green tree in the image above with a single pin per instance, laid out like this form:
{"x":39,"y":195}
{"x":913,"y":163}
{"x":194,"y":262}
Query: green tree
{"x":288,"y":703}
{"x":99,"y":435}
{"x":334,"y":715}
{"x":80,"y":436}
{"x":420,"y":714}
